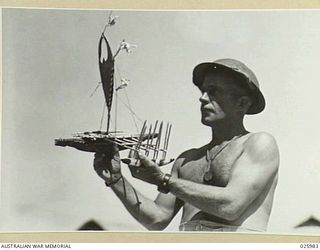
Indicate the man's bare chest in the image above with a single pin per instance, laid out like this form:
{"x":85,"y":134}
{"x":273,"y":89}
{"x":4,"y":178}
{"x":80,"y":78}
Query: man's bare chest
{"x":213,"y":167}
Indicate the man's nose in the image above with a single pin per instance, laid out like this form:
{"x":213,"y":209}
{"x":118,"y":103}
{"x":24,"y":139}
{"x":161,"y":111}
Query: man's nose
{"x":204,"y":97}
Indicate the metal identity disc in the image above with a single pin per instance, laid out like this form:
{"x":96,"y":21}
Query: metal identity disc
{"x":208,"y":176}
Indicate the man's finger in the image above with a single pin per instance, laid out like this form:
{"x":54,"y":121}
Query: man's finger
{"x":132,"y":162}
{"x":146,"y":161}
{"x":126,"y":161}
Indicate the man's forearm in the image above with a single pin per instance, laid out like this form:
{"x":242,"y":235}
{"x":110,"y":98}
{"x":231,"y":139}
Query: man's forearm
{"x":210,"y":199}
{"x":141,"y":208}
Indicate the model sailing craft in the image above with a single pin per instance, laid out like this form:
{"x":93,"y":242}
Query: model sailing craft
{"x":150,"y":140}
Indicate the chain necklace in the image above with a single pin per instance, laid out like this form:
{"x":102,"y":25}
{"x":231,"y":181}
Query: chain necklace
{"x":208,"y":175}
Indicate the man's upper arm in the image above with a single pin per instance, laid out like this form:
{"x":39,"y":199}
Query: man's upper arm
{"x":254,"y":170}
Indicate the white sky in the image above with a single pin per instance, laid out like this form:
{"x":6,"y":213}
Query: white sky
{"x":50,"y":68}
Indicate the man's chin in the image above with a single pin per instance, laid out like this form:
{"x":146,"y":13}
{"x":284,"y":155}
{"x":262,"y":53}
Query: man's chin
{"x":207,"y":122}
{"x":211,"y":121}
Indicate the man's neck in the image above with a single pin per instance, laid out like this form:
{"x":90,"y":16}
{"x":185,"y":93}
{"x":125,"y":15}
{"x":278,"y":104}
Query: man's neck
{"x":226,"y":131}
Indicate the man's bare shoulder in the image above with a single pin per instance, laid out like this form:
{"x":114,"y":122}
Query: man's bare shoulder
{"x":261,"y":137}
{"x":261,"y":146}
{"x":260,"y":141}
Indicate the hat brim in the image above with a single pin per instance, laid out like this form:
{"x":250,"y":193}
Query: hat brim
{"x":259,"y":102}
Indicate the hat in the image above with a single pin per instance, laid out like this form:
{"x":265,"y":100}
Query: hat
{"x":233,"y":66}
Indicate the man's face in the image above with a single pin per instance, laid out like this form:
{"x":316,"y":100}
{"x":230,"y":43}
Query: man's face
{"x":219,"y":99}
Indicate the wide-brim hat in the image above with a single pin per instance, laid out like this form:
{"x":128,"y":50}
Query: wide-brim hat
{"x":234,"y":66}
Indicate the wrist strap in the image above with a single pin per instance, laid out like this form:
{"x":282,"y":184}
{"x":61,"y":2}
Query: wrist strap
{"x":163,"y":187}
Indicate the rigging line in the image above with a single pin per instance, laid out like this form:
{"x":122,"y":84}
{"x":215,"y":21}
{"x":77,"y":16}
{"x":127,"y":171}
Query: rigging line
{"x":116,"y":108}
{"x":99,"y":83}
{"x":133,"y":114}
{"x":102,"y":117}
{"x":118,"y":71}
{"x":118,"y":51}
{"x":127,"y":105}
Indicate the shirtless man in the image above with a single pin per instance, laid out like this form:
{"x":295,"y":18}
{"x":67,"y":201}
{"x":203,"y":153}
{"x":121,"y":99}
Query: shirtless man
{"x":226,"y":185}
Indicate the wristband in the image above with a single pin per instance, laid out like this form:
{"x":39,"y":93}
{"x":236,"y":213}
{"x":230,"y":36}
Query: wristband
{"x":163,"y":187}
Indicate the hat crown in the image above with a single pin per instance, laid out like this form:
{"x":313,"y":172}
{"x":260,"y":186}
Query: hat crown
{"x":239,"y":67}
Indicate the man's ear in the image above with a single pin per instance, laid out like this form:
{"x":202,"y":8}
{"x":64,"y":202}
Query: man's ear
{"x":244,"y":103}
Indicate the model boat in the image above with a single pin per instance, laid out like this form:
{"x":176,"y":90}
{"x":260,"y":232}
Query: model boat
{"x":153,"y":140}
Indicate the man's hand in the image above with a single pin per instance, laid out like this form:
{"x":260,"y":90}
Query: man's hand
{"x":108,"y":166}
{"x":145,"y":169}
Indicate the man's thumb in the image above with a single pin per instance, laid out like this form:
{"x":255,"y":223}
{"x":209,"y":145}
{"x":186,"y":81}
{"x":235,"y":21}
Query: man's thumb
{"x":126,"y":161}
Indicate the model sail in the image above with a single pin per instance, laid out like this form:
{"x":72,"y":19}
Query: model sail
{"x":106,"y":66}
